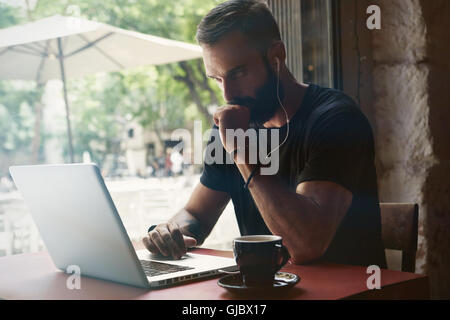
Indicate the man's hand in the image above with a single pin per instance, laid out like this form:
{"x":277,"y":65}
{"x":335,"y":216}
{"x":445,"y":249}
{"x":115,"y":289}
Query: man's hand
{"x":167,"y":239}
{"x":231,"y":117}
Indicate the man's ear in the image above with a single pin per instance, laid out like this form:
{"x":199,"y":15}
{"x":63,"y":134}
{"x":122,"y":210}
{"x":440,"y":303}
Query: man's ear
{"x":277,"y":50}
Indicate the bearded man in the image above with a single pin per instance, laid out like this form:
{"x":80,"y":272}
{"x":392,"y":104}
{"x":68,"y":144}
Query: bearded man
{"x":323,"y":199}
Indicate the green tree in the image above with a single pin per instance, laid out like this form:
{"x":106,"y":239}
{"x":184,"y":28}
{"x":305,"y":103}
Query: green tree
{"x":158,"y":96}
{"x":17,"y":101}
{"x":9,"y":16}
{"x":170,"y":19}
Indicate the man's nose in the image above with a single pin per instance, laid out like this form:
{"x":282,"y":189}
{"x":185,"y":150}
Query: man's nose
{"x":229,"y":91}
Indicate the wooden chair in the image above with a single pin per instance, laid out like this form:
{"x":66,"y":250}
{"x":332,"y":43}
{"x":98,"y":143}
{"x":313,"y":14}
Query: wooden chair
{"x":399,"y":225}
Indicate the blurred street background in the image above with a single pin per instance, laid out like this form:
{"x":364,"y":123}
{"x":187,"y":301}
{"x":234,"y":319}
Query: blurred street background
{"x":121,"y":120}
{"x":140,"y":202}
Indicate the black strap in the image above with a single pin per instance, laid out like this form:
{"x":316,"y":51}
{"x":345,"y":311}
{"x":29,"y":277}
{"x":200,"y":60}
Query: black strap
{"x":250,"y":177}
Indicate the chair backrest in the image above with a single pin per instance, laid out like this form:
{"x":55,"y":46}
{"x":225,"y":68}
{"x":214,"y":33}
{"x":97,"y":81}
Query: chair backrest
{"x":399,"y":226}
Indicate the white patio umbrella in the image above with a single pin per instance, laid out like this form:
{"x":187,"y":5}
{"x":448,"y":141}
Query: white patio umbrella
{"x":60,"y":47}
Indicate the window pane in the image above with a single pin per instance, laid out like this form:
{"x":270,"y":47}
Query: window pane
{"x":306,"y":30}
{"x":287,"y":13}
{"x":317,"y":42}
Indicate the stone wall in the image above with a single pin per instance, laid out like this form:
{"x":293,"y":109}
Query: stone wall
{"x":436,"y":15}
{"x":410,"y":111}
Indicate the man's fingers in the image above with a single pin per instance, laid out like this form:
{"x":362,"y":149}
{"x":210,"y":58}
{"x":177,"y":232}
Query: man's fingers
{"x":218,"y":114}
{"x":189,"y":242}
{"x":216,"y":119}
{"x":177,"y":237}
{"x":170,"y":245}
{"x":168,"y":240}
{"x":150,"y":247}
{"x":156,"y":239}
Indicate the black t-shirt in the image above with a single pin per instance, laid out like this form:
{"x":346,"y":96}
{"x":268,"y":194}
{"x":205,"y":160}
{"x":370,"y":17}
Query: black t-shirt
{"x":329,"y":139}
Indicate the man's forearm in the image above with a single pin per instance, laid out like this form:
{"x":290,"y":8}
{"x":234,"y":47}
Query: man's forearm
{"x":288,"y":214}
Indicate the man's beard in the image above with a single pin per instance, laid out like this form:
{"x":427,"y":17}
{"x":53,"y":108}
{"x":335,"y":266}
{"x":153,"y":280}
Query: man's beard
{"x":265,"y":104}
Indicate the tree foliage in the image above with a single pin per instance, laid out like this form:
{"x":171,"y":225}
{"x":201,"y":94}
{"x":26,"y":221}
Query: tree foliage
{"x":158,"y":97}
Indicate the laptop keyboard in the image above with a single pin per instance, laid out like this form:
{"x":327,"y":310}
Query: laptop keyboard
{"x":153,"y":268}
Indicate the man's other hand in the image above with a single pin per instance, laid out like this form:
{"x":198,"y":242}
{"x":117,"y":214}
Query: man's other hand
{"x":231,"y":117}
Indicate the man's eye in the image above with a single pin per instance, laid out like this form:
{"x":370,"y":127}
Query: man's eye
{"x":237,"y":74}
{"x":218,"y":80}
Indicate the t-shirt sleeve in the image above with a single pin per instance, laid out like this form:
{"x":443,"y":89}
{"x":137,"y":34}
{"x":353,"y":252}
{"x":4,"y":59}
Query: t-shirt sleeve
{"x":214,"y":175}
{"x":339,"y":149}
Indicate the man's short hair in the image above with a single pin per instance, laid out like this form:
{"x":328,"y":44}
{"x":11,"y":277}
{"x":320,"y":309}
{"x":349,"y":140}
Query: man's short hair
{"x":252,"y":18}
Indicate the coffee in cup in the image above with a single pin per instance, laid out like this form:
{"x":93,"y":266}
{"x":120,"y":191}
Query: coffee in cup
{"x":259,"y":257}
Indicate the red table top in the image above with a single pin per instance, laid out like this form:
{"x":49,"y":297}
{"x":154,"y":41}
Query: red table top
{"x":34,"y":276}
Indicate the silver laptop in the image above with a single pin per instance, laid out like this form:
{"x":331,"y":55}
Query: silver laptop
{"x":80,"y":226}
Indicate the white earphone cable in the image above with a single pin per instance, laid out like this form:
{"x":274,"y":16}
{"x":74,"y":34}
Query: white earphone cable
{"x":285,"y":112}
